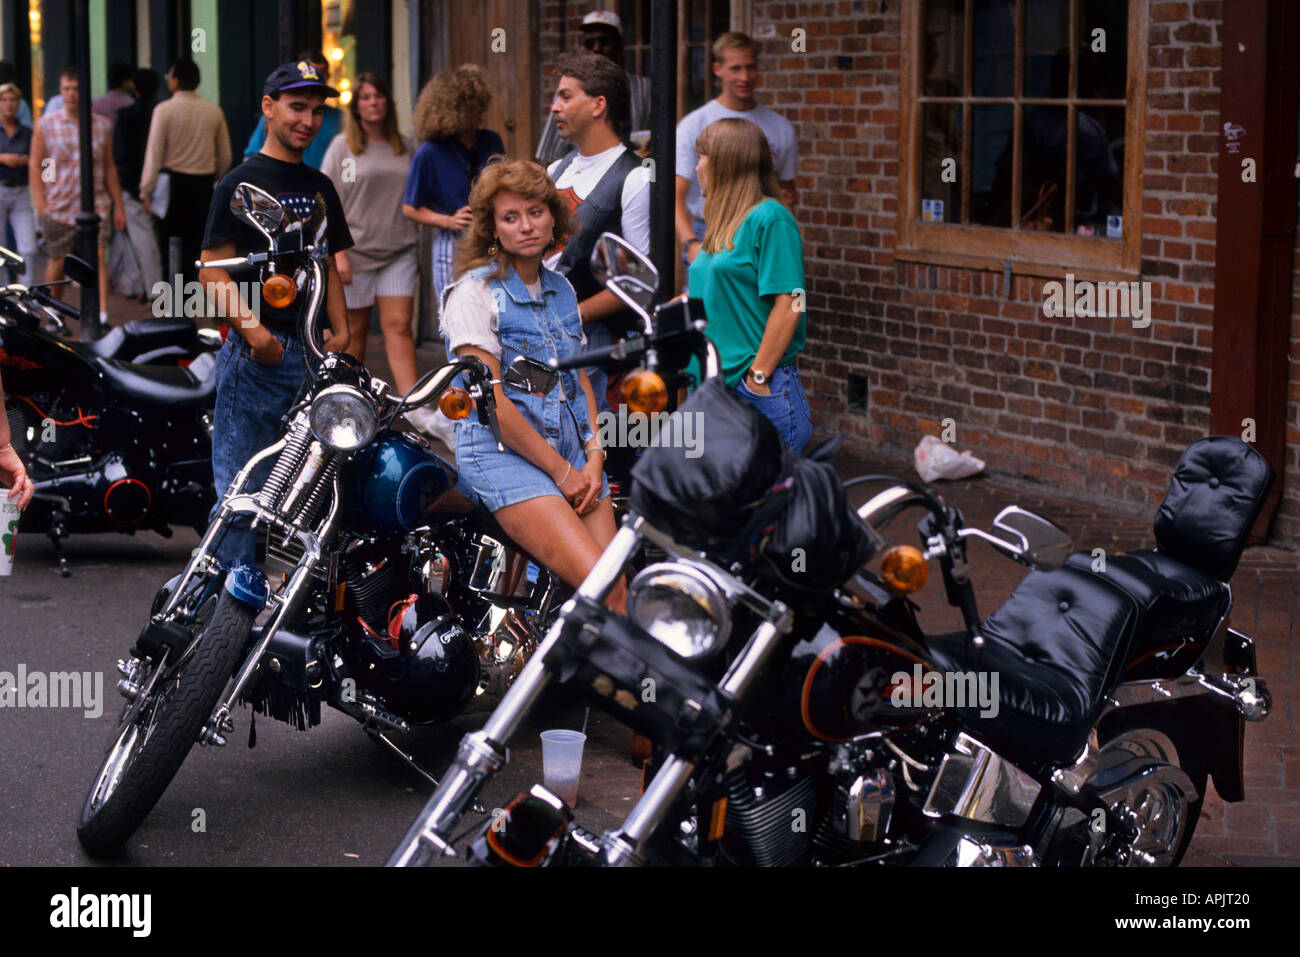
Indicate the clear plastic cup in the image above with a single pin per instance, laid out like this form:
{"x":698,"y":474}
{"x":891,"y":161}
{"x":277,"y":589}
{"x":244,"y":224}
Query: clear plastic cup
{"x":562,"y":763}
{"x":9,"y":516}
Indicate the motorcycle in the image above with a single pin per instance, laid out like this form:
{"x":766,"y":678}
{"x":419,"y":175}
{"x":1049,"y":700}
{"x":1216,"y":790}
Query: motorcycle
{"x":801,"y":715}
{"x":400,"y":601}
{"x":110,"y":444}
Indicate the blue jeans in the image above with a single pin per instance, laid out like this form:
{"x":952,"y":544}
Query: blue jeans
{"x":251,"y":399}
{"x":786,"y":408}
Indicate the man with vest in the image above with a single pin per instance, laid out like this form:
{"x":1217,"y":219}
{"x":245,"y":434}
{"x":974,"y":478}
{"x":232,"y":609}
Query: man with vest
{"x":606,"y":185}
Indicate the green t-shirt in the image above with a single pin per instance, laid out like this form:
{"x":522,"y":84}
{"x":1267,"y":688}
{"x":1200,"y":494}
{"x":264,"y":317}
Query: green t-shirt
{"x":739,"y":286}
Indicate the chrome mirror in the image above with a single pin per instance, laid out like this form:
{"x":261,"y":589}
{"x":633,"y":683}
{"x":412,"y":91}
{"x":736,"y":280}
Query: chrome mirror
{"x":258,"y":208}
{"x":626,"y":272}
{"x":1038,"y":542}
{"x":529,"y":375}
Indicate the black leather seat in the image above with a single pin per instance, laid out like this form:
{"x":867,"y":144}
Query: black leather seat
{"x":1058,"y":644}
{"x":1179,"y":587}
{"x":157,"y":385}
{"x":139,"y":336}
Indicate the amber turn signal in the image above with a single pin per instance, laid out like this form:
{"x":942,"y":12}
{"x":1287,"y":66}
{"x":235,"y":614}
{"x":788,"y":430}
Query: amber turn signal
{"x":279,"y":291}
{"x":644,"y":391}
{"x":455,"y":404}
{"x":904,"y":569}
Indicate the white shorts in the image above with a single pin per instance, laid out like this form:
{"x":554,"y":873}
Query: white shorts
{"x":395,"y":278}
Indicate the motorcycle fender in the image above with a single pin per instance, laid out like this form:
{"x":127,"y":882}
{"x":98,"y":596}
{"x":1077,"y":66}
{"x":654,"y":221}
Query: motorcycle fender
{"x":248,"y":583}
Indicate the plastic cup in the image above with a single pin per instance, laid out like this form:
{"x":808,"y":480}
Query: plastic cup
{"x":562,"y":763}
{"x":9,"y":516}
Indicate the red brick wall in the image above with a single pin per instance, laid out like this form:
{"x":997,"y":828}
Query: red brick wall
{"x":1091,"y":406}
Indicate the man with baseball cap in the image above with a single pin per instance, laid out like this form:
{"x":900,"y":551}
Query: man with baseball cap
{"x":260,"y":367}
{"x":602,"y":33}
{"x":330,"y":127}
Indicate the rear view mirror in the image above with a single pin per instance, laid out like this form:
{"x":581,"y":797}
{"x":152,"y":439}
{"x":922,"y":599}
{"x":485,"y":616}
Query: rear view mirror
{"x":79,"y":271}
{"x":626,"y":272}
{"x":258,"y":208}
{"x":529,"y":375}
{"x":1041,"y":544}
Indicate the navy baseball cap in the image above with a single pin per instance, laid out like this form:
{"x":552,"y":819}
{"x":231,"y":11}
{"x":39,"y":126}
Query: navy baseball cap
{"x":299,"y":75}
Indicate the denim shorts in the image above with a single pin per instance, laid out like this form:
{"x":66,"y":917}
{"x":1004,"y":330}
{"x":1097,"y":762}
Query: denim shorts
{"x":506,"y":478}
{"x":251,"y":399}
{"x":786,"y":408}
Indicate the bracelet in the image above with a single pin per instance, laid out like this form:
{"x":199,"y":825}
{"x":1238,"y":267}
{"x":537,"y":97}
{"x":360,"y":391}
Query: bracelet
{"x":567,"y":470}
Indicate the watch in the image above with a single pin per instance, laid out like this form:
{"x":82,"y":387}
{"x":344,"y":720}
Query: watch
{"x":686,"y":246}
{"x":758,"y":377}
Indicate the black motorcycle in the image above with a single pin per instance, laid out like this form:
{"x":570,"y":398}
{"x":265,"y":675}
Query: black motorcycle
{"x":110,"y":444}
{"x":802,"y":717}
{"x":399,"y":600}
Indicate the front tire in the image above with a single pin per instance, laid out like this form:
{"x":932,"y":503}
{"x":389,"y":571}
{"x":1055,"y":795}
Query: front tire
{"x":149,"y":750}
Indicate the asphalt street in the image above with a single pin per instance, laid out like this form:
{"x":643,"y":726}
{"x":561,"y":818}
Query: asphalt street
{"x":326,"y":796}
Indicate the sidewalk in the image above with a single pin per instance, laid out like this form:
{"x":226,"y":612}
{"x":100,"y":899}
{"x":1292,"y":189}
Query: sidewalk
{"x":1262,"y":830}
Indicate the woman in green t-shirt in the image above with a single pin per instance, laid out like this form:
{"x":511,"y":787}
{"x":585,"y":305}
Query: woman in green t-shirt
{"x":749,"y":272}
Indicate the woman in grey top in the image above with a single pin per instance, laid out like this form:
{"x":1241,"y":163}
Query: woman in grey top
{"x":368,"y":164}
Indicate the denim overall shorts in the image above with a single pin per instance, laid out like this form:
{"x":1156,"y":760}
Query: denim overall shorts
{"x":540,"y":329}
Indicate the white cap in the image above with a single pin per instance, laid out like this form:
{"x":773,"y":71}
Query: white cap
{"x":603,"y":18}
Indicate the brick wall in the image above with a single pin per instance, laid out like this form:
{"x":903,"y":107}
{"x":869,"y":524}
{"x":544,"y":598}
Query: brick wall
{"x":1090,"y":406}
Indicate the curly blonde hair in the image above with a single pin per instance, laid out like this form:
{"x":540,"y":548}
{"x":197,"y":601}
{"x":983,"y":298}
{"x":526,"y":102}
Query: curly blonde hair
{"x":453,"y":102}
{"x":525,"y":178}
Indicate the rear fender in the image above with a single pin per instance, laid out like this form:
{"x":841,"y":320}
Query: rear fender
{"x":1206,"y":729}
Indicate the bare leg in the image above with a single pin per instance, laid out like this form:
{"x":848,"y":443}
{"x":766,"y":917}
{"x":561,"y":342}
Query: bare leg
{"x":551,"y":531}
{"x":53,"y":273}
{"x":395,"y":321}
{"x":358,"y":328}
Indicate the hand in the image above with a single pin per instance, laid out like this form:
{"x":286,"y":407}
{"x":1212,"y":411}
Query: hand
{"x":592,"y":470}
{"x":693,"y":249}
{"x":462,"y":218}
{"x":267,"y":351}
{"x":13,"y":474}
{"x":574,"y":485}
{"x":144,"y":201}
{"x":753,"y":387}
{"x":336,"y":341}
{"x":344,"y":266}
{"x":119,"y":218}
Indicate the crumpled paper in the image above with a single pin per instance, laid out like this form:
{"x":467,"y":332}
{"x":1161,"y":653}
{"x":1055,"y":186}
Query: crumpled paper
{"x":939,"y":460}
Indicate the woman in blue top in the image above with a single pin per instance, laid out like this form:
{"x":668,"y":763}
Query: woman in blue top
{"x":547,"y":489}
{"x":749,"y":272}
{"x":447,"y":117}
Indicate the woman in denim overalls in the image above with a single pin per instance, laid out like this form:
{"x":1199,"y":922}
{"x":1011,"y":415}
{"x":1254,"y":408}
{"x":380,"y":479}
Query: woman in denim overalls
{"x":547,"y":489}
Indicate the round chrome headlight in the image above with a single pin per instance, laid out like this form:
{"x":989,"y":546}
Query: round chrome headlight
{"x":343,"y":418}
{"x":681,"y":606}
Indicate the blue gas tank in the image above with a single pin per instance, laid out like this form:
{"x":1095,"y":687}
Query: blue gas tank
{"x":398,"y":483}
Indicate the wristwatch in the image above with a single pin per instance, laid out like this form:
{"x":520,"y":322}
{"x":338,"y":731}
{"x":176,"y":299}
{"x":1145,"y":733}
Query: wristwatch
{"x":686,"y":246}
{"x":759,"y":378}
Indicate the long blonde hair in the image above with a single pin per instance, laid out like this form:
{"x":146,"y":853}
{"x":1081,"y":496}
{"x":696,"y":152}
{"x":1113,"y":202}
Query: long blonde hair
{"x":355,"y":132}
{"x":525,"y":178}
{"x":740,"y":175}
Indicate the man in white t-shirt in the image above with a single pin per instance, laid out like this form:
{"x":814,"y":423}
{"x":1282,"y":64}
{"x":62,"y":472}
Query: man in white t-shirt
{"x":605,"y":183}
{"x":735,"y":64}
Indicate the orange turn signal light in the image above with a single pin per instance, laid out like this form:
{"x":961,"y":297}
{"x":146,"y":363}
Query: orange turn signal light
{"x":455,"y":404}
{"x":279,"y":291}
{"x":645,"y":391}
{"x":904,"y":569}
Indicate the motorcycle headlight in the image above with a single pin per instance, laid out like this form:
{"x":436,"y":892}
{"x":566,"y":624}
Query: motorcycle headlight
{"x":681,"y":606}
{"x":343,"y":418}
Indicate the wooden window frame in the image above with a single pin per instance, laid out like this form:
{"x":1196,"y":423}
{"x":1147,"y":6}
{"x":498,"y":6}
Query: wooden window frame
{"x":1024,"y":252}
{"x":739,"y":15}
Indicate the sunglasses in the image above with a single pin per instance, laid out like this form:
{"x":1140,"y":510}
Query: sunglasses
{"x":590,"y":43}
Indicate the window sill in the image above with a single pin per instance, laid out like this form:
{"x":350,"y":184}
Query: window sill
{"x":1046,"y":270}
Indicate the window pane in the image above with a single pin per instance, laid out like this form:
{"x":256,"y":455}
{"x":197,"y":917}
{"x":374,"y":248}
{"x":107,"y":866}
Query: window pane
{"x":941,"y":164}
{"x":719,"y":19}
{"x":944,"y":38}
{"x":1047,"y":48}
{"x":697,"y":89}
{"x":995,"y":48}
{"x":1099,"y":174}
{"x":695,"y":14}
{"x":1042,"y":169}
{"x":1103,"y":57}
{"x":991,"y":130}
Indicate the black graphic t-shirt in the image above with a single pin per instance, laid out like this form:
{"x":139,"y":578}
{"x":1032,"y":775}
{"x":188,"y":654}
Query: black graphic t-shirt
{"x":295,"y":186}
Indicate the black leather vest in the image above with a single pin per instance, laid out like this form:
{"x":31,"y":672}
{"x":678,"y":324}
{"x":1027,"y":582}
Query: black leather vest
{"x":600,"y":212}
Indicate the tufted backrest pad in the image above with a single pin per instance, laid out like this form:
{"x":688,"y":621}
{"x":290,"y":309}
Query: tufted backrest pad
{"x":1213,"y":499}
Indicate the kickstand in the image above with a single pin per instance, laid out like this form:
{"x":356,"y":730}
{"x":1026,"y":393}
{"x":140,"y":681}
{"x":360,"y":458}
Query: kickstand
{"x":387,"y":742}
{"x":59,"y":531}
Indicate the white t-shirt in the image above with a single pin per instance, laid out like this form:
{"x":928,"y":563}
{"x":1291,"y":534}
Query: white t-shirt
{"x":777,"y":129}
{"x":470,"y":317}
{"x":581,"y":178}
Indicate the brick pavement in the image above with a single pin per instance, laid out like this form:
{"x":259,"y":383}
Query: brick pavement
{"x":1265,"y":828}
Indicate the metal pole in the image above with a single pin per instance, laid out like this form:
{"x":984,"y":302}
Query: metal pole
{"x":288,"y":30}
{"x":87,"y":220}
{"x":663,"y":143}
